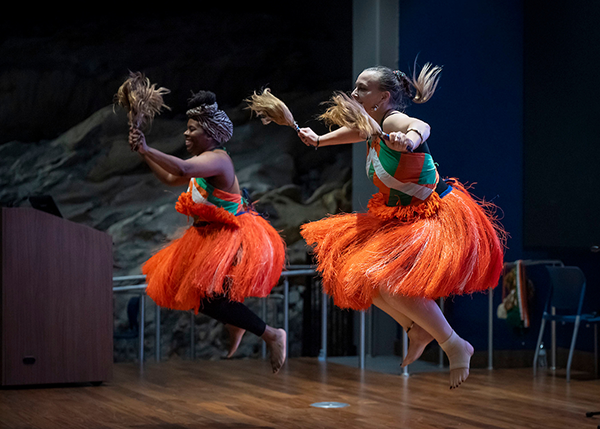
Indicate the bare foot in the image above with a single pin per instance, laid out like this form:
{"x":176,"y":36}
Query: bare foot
{"x":459,"y":354}
{"x":276,"y":342}
{"x":235,"y":337}
{"x":418,"y":338}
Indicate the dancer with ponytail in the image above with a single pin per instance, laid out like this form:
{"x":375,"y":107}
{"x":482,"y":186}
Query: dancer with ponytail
{"x":422,"y":238}
{"x":230,"y":252}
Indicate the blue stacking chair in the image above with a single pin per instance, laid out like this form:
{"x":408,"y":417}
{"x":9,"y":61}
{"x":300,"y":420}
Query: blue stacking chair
{"x":566,"y":295}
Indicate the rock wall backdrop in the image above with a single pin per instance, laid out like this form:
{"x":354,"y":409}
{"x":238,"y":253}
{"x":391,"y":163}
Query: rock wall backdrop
{"x":60,"y":134}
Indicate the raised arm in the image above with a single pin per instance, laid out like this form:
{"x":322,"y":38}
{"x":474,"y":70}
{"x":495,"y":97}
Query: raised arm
{"x":175,"y":171}
{"x":163,"y":175}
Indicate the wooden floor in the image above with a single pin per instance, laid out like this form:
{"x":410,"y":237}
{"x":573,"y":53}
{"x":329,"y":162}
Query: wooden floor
{"x":244,"y":394}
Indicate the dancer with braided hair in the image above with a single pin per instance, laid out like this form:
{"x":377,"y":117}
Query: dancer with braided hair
{"x":422,"y":238}
{"x":230,"y":252}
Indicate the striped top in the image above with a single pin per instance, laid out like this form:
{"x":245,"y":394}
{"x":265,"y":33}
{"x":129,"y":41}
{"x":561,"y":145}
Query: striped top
{"x":204,"y":193}
{"x":403,"y":178}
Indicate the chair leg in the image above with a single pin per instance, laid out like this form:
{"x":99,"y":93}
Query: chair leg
{"x":142,"y":322}
{"x":592,"y":414}
{"x":572,"y":349}
{"x":537,"y":347}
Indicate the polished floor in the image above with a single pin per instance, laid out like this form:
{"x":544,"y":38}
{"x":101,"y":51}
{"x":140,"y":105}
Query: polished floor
{"x":240,"y":394}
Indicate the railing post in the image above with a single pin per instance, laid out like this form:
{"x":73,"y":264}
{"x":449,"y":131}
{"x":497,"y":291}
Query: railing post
{"x":361,"y":354}
{"x":553,"y":339}
{"x":192,"y":336}
{"x":263,"y":313}
{"x":440,"y":351}
{"x":323,"y":351}
{"x":404,"y":351}
{"x":142,"y":322}
{"x":286,"y":316}
{"x":491,"y":329}
{"x":157,"y":335}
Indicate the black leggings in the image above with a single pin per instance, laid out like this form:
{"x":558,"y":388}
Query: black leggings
{"x":232,"y":313}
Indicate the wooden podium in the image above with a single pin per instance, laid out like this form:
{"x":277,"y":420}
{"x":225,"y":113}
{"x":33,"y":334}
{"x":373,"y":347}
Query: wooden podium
{"x":55,"y":300}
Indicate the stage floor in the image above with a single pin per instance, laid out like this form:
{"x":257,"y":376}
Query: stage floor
{"x":244,"y":394}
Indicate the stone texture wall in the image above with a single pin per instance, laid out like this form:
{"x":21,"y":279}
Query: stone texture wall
{"x":60,"y":135}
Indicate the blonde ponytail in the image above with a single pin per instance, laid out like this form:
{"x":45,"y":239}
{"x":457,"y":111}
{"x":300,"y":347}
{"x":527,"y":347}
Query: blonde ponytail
{"x":403,"y":89}
{"x":426,"y":83}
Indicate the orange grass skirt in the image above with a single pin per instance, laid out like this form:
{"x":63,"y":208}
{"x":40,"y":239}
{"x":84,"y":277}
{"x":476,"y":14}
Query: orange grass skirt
{"x":223,"y":254}
{"x":444,"y":246}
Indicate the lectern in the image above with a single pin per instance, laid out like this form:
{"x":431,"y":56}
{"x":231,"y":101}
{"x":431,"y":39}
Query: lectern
{"x":55,"y":300}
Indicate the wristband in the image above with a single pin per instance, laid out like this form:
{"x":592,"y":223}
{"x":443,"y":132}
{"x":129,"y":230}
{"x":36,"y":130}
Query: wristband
{"x":419,"y":133}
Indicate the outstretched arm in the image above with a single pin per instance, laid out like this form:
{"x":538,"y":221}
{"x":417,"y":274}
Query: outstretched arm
{"x":342,"y":135}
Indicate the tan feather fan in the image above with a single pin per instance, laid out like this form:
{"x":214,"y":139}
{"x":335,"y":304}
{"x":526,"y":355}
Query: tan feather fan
{"x":271,"y":109}
{"x":344,"y":111}
{"x":142,"y":100}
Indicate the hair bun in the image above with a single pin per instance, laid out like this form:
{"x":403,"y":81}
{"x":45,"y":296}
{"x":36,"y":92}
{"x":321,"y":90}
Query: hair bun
{"x":202,"y":97}
{"x":404,"y":82}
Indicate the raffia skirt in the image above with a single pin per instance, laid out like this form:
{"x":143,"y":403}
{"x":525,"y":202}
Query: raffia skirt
{"x":237,"y":256}
{"x":444,"y":246}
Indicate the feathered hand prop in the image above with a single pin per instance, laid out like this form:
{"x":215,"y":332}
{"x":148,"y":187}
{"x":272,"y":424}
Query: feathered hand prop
{"x":141,"y":99}
{"x":344,"y":111}
{"x":271,"y":109}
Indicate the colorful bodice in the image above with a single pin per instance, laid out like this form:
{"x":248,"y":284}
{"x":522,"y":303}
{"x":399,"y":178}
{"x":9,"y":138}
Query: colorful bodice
{"x":204,"y":193}
{"x":403,"y":178}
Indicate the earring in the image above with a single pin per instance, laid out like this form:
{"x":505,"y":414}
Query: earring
{"x":375,"y":107}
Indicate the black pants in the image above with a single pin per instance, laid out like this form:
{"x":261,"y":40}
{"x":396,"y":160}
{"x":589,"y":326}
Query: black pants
{"x":232,"y":313}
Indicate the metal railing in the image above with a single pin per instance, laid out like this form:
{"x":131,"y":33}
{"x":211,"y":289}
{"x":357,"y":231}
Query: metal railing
{"x":292,"y":271}
{"x":140,"y":288}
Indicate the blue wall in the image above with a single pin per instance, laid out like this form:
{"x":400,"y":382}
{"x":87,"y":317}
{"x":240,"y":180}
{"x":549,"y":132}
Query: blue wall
{"x":476,"y":117}
{"x":480,"y":118}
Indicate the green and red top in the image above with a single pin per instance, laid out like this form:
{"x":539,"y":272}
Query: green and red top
{"x":404,"y":178}
{"x":205,"y":203}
